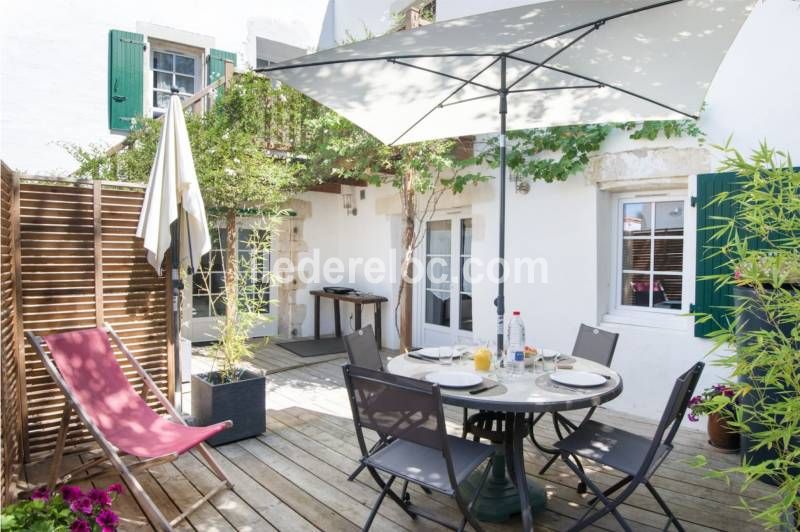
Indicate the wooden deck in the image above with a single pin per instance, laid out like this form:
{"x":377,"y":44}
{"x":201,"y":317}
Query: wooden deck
{"x":294,"y":477}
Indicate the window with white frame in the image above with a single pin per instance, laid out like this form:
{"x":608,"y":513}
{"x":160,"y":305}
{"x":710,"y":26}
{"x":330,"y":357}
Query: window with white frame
{"x":650,"y":236}
{"x":172,"y":68}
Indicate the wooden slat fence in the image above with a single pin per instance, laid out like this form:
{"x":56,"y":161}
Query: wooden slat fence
{"x":11,"y":416}
{"x":81,"y":266}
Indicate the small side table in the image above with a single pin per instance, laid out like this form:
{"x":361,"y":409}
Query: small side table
{"x":358,"y":299}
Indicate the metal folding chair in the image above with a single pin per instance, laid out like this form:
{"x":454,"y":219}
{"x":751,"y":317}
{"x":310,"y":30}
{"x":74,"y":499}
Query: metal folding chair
{"x":636,"y":456}
{"x":83,"y":365}
{"x":592,"y":344}
{"x":421,"y":451}
{"x":362,"y":349}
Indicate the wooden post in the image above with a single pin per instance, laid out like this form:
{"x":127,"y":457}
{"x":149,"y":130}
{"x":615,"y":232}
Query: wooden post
{"x":97,"y":205}
{"x":19,"y":329}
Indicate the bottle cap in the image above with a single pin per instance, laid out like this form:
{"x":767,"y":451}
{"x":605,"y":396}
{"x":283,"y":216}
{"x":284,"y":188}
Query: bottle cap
{"x":516,"y":313}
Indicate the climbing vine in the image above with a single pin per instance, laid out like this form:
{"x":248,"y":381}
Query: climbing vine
{"x":555,"y":153}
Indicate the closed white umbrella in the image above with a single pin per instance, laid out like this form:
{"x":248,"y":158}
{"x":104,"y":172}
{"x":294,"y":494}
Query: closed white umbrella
{"x":549,"y":63}
{"x":173,"y":188}
{"x":173,"y":215}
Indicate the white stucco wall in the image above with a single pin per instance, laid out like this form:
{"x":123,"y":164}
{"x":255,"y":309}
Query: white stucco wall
{"x":54,"y":58}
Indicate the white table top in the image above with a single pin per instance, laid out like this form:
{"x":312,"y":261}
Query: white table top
{"x":530,"y":392}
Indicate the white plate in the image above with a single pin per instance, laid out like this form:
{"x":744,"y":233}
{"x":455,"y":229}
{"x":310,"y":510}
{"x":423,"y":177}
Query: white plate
{"x":454,"y":379}
{"x":433,"y":352}
{"x":577,"y":378}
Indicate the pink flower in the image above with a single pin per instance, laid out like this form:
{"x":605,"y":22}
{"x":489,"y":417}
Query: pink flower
{"x":692,"y":417}
{"x":116,"y":488}
{"x":79,"y":525}
{"x":737,"y":274}
{"x":99,"y":497}
{"x":107,"y":520}
{"x":40,"y":494}
{"x":70,"y":493}
{"x":82,"y":505}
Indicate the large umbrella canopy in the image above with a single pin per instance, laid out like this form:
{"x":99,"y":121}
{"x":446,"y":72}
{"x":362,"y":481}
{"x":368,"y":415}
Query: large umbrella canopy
{"x":173,"y":187}
{"x":565,"y":62}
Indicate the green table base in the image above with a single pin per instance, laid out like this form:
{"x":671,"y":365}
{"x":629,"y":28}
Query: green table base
{"x":499,"y":499}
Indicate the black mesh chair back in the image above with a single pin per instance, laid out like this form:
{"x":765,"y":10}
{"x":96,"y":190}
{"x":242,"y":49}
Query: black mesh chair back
{"x":595,"y":344}
{"x":399,"y":407}
{"x":362,"y":349}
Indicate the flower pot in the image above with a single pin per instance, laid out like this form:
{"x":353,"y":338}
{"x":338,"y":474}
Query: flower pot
{"x":720,"y":435}
{"x":242,"y":401}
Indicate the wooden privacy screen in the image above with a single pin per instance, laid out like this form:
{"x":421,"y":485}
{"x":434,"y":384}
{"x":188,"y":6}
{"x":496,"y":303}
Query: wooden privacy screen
{"x":81,"y":265}
{"x":10,"y":417}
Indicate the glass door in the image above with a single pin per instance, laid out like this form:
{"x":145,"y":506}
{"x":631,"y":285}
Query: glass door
{"x":445,"y":304}
{"x":207,"y":301}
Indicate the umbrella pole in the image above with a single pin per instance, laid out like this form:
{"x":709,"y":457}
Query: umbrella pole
{"x":500,"y":301}
{"x":177,"y":288}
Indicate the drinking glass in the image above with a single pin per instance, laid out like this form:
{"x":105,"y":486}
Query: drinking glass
{"x":446,"y":356}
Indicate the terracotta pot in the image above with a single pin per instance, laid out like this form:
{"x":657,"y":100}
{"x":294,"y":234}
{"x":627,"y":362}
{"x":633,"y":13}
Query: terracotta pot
{"x":720,"y":435}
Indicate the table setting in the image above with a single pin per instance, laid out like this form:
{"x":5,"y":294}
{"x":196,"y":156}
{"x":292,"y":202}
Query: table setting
{"x":481,"y":378}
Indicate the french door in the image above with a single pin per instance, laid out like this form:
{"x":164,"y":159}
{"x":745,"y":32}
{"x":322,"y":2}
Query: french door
{"x":208,"y":283}
{"x":444,"y":296}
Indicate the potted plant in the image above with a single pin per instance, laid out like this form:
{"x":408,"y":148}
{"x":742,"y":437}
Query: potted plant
{"x":62,"y":510}
{"x":762,"y":340}
{"x":231,"y":390}
{"x":720,"y":434}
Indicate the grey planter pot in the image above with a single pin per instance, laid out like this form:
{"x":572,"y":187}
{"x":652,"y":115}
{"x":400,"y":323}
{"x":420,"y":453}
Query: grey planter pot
{"x":243,"y":402}
{"x":751,"y":321}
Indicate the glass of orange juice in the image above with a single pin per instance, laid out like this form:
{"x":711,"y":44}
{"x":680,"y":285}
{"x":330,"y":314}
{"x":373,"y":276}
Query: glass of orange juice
{"x":482,"y":358}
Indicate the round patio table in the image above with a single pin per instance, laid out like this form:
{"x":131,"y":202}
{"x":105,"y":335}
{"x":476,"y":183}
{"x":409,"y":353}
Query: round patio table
{"x":516,"y":396}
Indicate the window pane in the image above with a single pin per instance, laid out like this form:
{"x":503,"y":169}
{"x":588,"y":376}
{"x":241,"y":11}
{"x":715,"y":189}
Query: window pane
{"x":636,"y":254}
{"x":184,"y":84}
{"x":219,"y":306}
{"x":161,"y":99}
{"x":636,"y":219}
{"x":184,"y":65}
{"x":635,"y":289}
{"x":199,"y":283}
{"x":465,"y":313}
{"x":466,"y":275}
{"x":162,"y":80}
{"x":217,"y":283}
{"x":439,"y":237}
{"x":466,"y":236}
{"x":162,"y":61}
{"x":201,"y":307}
{"x":669,"y":218}
{"x":437,"y":273}
{"x":668,"y":255}
{"x":437,"y":308}
{"x":667,"y":290}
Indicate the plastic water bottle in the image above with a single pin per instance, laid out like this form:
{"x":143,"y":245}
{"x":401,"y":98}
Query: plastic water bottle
{"x":515,"y":356}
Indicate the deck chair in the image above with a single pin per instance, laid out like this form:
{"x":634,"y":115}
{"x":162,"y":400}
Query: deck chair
{"x":637,"y":457}
{"x":421,"y":451}
{"x":83,"y":365}
{"x":592,"y":344}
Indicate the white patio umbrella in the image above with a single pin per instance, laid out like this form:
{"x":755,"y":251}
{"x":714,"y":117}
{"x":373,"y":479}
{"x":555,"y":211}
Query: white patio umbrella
{"x":173,"y":215}
{"x":548,"y":63}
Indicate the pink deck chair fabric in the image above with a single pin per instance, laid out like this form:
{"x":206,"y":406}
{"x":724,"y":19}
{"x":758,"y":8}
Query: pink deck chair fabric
{"x":87,"y":363}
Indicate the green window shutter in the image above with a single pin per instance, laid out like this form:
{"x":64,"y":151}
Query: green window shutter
{"x":710,"y":299}
{"x":125,"y":78}
{"x":216,"y":66}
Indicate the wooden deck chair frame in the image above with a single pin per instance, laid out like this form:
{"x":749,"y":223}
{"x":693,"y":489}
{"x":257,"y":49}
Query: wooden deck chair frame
{"x":110,"y":461}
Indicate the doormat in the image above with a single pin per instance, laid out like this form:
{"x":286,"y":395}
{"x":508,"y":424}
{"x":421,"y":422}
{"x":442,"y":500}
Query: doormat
{"x":314,"y":348}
